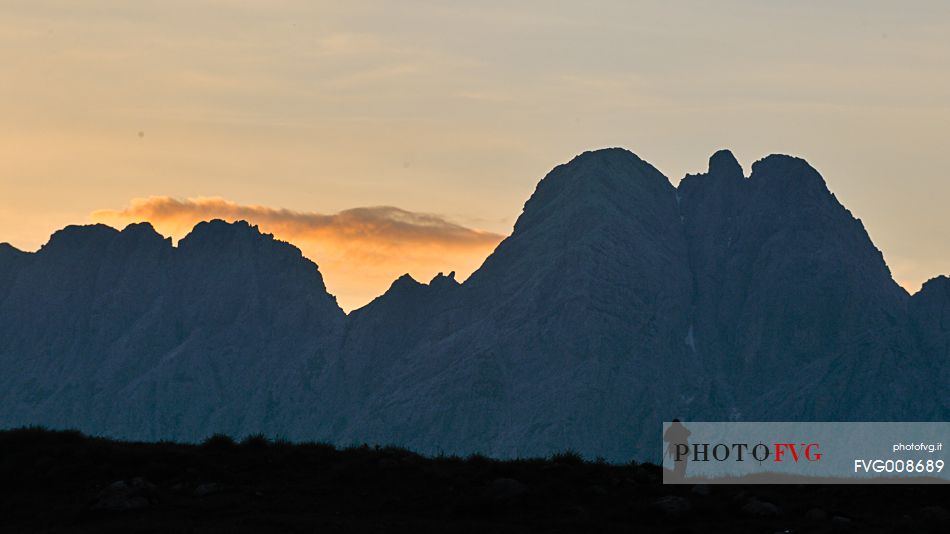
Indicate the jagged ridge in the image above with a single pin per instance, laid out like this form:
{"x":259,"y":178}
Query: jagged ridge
{"x":618,"y":301}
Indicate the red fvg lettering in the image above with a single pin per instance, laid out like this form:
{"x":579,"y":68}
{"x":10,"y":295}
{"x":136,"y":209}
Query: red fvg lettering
{"x":809,"y":450}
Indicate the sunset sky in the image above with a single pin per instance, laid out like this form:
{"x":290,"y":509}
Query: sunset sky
{"x":386,"y":137}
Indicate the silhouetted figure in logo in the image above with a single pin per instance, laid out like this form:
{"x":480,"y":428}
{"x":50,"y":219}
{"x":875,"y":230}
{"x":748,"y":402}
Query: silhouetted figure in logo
{"x":677,"y":434}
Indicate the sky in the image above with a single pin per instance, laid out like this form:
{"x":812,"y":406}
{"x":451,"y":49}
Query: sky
{"x":392,"y":137}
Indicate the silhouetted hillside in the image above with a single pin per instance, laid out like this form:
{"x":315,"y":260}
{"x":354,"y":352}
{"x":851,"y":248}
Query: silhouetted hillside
{"x":619,"y":301}
{"x":66,"y":482}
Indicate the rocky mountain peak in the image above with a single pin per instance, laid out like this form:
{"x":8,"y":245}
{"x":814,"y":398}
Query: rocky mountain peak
{"x":593,"y":184}
{"x":141,"y":239}
{"x":406,"y":289}
{"x":79,"y":238}
{"x":404,"y":283}
{"x":937,"y":284}
{"x":617,"y":303}
{"x":217,"y":233}
{"x":441,"y":281}
{"x":723,"y":163}
{"x":789,"y":177}
{"x":7,"y":250}
{"x":142,"y":231}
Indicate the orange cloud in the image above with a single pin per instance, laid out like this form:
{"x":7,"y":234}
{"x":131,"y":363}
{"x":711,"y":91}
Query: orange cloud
{"x":360,"y":251}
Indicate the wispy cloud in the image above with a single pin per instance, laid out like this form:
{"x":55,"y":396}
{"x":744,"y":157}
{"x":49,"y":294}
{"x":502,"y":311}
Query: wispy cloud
{"x":360,"y":251}
{"x":379,"y":224}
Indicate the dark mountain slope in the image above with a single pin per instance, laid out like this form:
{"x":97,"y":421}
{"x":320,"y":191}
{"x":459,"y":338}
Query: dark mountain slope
{"x":572,"y":334}
{"x":121,"y":333}
{"x":11,"y":261}
{"x":618,"y":302}
{"x":793,"y":301}
{"x":930,"y":317}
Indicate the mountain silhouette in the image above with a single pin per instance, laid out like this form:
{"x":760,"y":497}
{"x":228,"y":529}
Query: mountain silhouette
{"x":619,"y":301}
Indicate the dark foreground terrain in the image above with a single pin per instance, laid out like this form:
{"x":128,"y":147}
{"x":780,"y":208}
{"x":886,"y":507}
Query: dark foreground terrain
{"x":64,"y":481}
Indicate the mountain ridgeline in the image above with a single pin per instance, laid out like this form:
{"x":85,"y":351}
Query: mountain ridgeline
{"x":618,"y":302}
